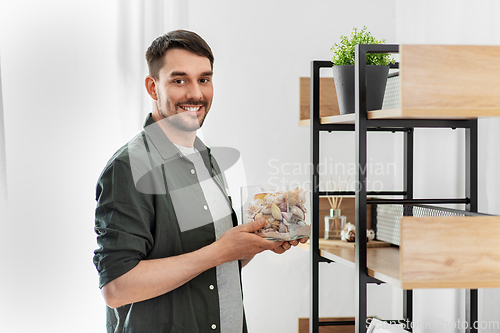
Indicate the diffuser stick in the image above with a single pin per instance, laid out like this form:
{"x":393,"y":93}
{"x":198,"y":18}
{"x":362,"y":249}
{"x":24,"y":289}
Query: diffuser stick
{"x":329,"y":199}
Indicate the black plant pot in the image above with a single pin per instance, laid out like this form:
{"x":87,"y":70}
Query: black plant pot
{"x":375,"y":86}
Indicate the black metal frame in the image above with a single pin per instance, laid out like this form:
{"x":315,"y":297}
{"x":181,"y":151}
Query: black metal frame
{"x":361,"y":126}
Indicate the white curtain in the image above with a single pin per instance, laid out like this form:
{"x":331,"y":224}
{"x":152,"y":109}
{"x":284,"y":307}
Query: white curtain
{"x":3,"y":163}
{"x":139,"y":23}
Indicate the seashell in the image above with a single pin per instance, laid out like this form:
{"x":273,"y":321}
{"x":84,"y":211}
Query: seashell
{"x":276,"y":212}
{"x":254,"y":208}
{"x":266,"y":216}
{"x":259,"y":202}
{"x":260,"y":196}
{"x":275,"y":198}
{"x":293,"y":197}
{"x":283,"y":229}
{"x":286,"y":216}
{"x":301,"y":207}
{"x":297,"y":212}
{"x":285,"y":221}
{"x":266,"y":210}
{"x":258,"y":216}
{"x":270,"y":198}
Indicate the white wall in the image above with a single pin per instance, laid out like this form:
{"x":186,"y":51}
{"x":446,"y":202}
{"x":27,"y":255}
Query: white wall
{"x":62,"y":124}
{"x":59,"y":92}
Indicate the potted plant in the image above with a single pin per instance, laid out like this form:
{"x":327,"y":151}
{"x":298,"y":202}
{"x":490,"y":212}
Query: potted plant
{"x":377,"y":70}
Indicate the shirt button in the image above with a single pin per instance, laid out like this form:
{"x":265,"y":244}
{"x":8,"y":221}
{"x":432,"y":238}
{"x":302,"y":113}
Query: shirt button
{"x":192,"y":171}
{"x":211,"y":287}
{"x":205,"y":207}
{"x":214,"y":326}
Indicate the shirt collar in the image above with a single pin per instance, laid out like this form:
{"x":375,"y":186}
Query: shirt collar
{"x":163,"y":145}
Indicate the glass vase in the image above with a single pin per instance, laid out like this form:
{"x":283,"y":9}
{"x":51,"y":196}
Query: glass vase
{"x":334,"y":223}
{"x":283,"y":210}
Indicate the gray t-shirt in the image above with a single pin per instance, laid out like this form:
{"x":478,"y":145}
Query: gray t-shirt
{"x":228,"y":279}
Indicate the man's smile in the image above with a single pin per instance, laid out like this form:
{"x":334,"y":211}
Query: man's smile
{"x":191,"y":109}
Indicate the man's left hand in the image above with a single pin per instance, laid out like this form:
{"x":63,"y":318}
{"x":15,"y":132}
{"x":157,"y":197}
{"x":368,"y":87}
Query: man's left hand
{"x":288,"y":245}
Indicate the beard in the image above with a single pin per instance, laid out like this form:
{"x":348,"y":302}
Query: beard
{"x":184,"y":121}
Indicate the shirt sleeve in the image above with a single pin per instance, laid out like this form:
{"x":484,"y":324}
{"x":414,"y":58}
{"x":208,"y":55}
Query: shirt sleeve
{"x":123,"y":222}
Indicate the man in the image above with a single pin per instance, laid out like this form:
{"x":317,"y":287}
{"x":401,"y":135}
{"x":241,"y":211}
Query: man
{"x":170,"y":250}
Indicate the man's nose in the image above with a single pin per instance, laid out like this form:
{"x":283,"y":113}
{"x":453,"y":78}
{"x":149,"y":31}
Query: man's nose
{"x":194,"y":91}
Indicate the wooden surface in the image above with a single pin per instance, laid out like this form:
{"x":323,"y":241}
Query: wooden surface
{"x":350,"y":245}
{"x":449,"y":81}
{"x":340,"y":119}
{"x":328,"y":105}
{"x":304,"y":326}
{"x":383,"y":262}
{"x":450,"y":252}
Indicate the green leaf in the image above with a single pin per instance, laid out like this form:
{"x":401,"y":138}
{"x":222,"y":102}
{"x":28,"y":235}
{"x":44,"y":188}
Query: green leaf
{"x":344,"y":51}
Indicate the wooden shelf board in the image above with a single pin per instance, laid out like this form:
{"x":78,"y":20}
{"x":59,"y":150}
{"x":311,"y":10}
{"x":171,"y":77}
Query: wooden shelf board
{"x":383,"y":262}
{"x":350,"y":245}
{"x":454,"y":114}
{"x":450,"y":252}
{"x":305,"y":122}
{"x":451,"y":256}
{"x":433,"y":113}
{"x":303,"y":325}
{"x":340,"y":119}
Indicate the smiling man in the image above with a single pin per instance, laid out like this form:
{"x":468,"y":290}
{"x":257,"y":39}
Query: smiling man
{"x":170,"y":249}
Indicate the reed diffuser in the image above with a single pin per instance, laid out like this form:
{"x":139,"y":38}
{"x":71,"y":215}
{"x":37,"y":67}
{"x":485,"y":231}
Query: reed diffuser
{"x":335,"y":222}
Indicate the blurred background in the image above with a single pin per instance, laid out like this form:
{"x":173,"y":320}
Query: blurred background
{"x":72,"y":93}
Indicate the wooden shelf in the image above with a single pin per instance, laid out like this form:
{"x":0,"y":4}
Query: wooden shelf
{"x":328,"y":105}
{"x":303,"y":325}
{"x":436,"y":252}
{"x":383,"y":262}
{"x":436,"y":82}
{"x":450,"y":252}
{"x":404,"y":114}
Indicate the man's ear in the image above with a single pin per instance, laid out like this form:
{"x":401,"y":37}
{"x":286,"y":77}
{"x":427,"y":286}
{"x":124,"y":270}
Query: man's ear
{"x":151,"y":87}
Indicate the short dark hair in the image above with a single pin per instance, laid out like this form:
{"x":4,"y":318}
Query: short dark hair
{"x":177,"y":39}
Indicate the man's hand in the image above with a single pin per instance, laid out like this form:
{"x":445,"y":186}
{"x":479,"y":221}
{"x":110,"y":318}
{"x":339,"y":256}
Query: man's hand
{"x":240,"y":242}
{"x":288,"y":245}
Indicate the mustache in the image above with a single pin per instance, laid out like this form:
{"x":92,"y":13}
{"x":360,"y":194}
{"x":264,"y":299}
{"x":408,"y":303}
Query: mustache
{"x":201,"y":102}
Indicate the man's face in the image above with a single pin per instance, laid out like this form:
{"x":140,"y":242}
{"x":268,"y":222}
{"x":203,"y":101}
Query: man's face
{"x":184,"y":89}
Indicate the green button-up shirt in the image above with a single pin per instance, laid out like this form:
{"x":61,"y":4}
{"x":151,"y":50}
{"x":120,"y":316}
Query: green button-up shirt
{"x":136,"y":220}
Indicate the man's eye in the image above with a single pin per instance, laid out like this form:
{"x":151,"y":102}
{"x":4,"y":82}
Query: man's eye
{"x":204,"y":80}
{"x":179,"y":81}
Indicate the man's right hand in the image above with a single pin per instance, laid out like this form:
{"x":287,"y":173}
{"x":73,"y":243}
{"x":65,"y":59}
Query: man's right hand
{"x":240,"y":242}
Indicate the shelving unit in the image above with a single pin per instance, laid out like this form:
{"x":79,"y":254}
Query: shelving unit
{"x":456,"y":104}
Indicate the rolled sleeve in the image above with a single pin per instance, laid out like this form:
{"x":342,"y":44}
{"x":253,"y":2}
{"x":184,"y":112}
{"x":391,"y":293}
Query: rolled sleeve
{"x":123,"y":221}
